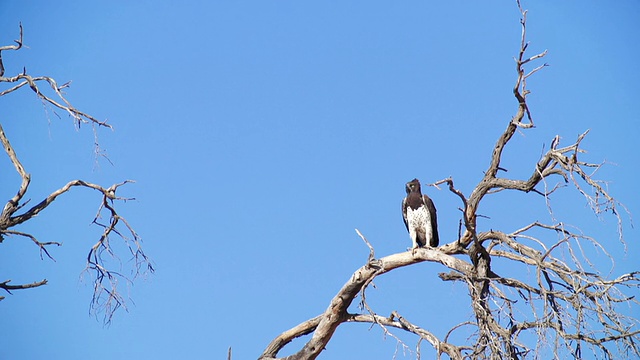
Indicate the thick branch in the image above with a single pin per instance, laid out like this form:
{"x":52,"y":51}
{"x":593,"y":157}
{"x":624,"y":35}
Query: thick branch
{"x":13,"y":204}
{"x":336,"y":313}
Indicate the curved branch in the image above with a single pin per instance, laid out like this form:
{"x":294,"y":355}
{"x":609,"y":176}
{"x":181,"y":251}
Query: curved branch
{"x":336,"y":313}
{"x":41,"y":245}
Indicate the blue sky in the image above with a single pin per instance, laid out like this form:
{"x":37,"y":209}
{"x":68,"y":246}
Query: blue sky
{"x":260,"y":134}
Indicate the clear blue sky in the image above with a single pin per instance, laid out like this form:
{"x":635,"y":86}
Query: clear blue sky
{"x":261,"y":134}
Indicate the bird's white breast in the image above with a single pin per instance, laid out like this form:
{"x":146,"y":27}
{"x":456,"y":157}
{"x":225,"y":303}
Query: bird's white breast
{"x":418,"y":217}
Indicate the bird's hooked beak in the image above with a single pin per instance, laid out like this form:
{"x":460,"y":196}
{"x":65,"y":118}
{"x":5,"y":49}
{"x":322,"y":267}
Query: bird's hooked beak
{"x":408,"y":187}
{"x":412,"y":185}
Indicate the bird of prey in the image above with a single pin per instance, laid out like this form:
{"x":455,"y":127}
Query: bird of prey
{"x":419,"y":216}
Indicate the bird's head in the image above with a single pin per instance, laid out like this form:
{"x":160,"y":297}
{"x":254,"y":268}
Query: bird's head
{"x":413,"y":186}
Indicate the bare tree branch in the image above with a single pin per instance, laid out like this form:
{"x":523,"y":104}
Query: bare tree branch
{"x":41,"y":245}
{"x":5,"y":285}
{"x":336,"y":313}
{"x":107,"y":296}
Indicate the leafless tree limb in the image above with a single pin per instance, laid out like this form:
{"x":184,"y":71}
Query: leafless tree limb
{"x":41,"y":245}
{"x":106,"y":296}
{"x":5,"y":285}
{"x":25,"y":79}
{"x":554,"y":293}
{"x":337,"y":313}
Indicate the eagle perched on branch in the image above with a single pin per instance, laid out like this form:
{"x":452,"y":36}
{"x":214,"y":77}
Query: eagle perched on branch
{"x":419,"y":216}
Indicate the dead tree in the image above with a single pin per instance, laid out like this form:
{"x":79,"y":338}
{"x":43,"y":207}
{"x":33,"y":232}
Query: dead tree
{"x":107,"y":295}
{"x":565,"y":304}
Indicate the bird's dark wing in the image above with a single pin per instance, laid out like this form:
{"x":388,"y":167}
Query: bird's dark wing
{"x":434,"y":219}
{"x":404,"y":213}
